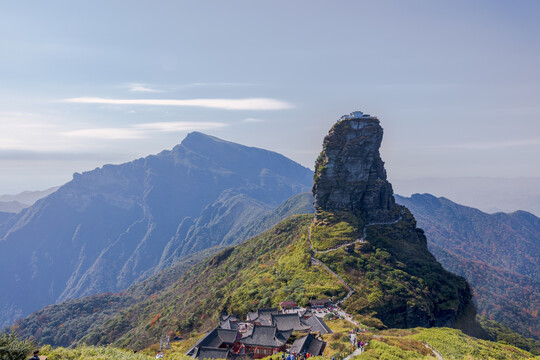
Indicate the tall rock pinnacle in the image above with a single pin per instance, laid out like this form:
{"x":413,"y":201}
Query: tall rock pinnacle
{"x":349,"y":173}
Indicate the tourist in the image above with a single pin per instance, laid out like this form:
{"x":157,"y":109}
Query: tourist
{"x":36,"y":355}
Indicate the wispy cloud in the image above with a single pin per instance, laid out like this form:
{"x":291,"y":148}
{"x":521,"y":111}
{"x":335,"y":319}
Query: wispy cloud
{"x":106,"y":133}
{"x":137,"y":87}
{"x":139,"y":131}
{"x":227,"y":104}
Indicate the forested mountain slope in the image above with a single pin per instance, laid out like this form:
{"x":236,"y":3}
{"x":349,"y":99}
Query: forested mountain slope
{"x":497,"y":253}
{"x":68,"y":322}
{"x":119,"y":224}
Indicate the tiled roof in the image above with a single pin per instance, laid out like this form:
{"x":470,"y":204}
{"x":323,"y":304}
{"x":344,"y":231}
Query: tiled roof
{"x":214,"y":339}
{"x":309,"y":344}
{"x":229,"y":317}
{"x":263,"y":316}
{"x":211,"y":353}
{"x":318,"y":325}
{"x":267,"y":336}
{"x":228,"y":324}
{"x":287,"y":304}
{"x":289,"y":321}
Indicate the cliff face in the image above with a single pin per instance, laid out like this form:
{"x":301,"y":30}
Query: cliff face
{"x":350,"y":174}
{"x":404,"y":284}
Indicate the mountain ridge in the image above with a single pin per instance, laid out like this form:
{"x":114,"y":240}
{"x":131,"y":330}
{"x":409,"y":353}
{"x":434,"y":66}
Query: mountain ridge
{"x":495,"y":252}
{"x":112,"y":226}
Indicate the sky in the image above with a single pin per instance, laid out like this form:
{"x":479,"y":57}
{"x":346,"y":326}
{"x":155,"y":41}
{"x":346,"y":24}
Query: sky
{"x":456,"y":84}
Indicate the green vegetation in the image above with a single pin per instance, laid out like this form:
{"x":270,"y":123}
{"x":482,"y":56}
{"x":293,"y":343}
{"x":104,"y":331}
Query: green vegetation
{"x":12,"y":348}
{"x":453,"y":344}
{"x":320,"y":166}
{"x":418,"y":343}
{"x":332,"y":230}
{"x":497,"y":254}
{"x":502,"y":334}
{"x":270,"y":268}
{"x":392,"y":272}
{"x":402,"y":349}
{"x":397,"y":281}
{"x":394,"y":344}
{"x":102,"y":353}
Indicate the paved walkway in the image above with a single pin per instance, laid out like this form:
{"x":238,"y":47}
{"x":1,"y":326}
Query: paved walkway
{"x":435,"y":352}
{"x":356,"y":352}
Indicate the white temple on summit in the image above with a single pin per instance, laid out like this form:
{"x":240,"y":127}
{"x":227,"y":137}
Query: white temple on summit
{"x":356,"y":115}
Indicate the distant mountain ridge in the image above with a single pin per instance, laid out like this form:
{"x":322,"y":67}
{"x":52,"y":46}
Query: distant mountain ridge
{"x":12,"y":206}
{"x":15,"y":203}
{"x":497,"y":253}
{"x":489,"y":194}
{"x":118,"y":224}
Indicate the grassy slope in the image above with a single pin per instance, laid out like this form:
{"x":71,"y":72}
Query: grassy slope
{"x":261,"y":272}
{"x":66,"y":323}
{"x":275,"y":266}
{"x":411,"y":344}
{"x":394,"y":344}
{"x":395,"y":277}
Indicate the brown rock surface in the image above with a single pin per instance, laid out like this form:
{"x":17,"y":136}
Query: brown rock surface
{"x":350,"y":174}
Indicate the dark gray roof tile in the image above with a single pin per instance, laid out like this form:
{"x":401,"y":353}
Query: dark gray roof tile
{"x":318,"y":325}
{"x":267,"y":336}
{"x":212,"y":353}
{"x":289,"y":321}
{"x":309,"y":344}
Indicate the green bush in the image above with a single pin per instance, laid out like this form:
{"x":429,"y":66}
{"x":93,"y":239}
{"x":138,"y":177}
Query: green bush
{"x":12,"y":348}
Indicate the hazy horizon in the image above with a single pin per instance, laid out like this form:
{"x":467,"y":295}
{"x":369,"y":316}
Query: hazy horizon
{"x":455,"y":85}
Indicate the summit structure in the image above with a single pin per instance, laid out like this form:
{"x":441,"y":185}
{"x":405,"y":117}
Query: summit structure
{"x":350,"y":174}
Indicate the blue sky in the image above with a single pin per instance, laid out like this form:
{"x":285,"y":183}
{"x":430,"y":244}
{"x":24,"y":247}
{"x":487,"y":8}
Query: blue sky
{"x":456,"y":84}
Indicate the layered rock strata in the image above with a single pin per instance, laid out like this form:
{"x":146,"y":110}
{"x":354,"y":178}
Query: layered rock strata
{"x":350,"y":174}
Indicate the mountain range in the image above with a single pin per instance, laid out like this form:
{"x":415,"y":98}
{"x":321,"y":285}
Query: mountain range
{"x":497,"y":253}
{"x":15,"y":203}
{"x":456,"y":235}
{"x":119,"y":224}
{"x":360,"y":248}
{"x":489,"y":194}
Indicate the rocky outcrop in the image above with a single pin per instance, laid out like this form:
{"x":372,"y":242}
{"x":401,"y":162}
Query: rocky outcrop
{"x":350,"y":181}
{"x":350,"y":174}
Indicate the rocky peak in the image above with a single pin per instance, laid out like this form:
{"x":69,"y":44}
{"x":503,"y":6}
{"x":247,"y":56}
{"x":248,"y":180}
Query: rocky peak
{"x":350,"y":174}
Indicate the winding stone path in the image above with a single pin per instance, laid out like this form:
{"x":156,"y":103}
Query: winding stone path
{"x":361,"y":240}
{"x":356,"y":352}
{"x":435,"y":352}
